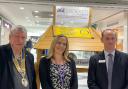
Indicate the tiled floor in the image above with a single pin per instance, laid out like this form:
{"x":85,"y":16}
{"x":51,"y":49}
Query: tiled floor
{"x":82,"y":81}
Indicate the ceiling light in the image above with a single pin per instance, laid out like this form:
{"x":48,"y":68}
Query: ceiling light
{"x":36,"y":16}
{"x":37,"y":21}
{"x":21,"y":8}
{"x":51,"y":15}
{"x":27,"y":17}
{"x":36,"y":11}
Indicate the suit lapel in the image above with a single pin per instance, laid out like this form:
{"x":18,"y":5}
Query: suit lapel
{"x":116,"y":66}
{"x":116,"y":60}
{"x":28,"y":69}
{"x":103,"y":66}
{"x":10,"y":62}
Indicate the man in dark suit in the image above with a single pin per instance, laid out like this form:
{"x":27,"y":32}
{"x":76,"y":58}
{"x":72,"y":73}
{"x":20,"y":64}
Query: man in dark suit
{"x":108,"y":69}
{"x":16,"y":64}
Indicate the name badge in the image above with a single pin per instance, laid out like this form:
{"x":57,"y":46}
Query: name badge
{"x":102,"y":61}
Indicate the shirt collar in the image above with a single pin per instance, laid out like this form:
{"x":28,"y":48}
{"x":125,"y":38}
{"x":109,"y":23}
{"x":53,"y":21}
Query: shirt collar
{"x":106,"y":53}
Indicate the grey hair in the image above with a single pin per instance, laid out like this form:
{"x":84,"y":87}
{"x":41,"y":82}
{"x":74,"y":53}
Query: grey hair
{"x":18,"y":28}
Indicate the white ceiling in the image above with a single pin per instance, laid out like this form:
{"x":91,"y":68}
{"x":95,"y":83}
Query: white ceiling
{"x":124,"y":2}
{"x":25,"y":17}
{"x":37,"y":25}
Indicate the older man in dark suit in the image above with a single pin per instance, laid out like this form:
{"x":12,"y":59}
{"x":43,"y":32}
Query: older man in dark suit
{"x":108,"y":69}
{"x":16,"y":64}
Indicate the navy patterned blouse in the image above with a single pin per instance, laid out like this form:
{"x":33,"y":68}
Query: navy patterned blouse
{"x":60,"y":76}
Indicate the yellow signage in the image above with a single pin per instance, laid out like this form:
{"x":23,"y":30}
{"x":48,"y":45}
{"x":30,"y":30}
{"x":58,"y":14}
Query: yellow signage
{"x":73,"y":32}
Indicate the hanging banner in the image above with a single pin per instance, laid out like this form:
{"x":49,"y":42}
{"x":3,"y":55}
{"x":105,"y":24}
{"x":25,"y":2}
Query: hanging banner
{"x":73,"y":32}
{"x":72,"y":16}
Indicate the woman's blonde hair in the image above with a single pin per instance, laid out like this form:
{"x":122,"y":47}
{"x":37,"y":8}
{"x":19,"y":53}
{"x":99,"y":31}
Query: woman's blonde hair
{"x":54,"y":42}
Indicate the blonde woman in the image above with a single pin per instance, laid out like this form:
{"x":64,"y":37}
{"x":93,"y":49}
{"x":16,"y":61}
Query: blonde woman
{"x":57,"y":71}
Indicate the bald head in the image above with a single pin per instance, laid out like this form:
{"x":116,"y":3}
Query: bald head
{"x":109,"y":39}
{"x":108,"y":31}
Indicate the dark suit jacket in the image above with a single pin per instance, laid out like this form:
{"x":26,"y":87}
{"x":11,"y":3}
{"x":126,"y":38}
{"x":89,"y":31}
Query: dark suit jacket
{"x":44,"y":73}
{"x":6,"y":68}
{"x":97,"y":74}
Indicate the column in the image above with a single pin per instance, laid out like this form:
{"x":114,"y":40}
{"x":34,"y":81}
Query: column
{"x":125,"y":36}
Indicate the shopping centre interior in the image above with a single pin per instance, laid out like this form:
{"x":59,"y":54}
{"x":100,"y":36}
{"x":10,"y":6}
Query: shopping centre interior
{"x":81,"y":22}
